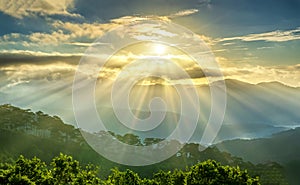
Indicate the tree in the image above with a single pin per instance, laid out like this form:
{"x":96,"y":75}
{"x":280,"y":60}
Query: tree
{"x":65,"y":170}
{"x":123,"y":178}
{"x":212,"y":173}
{"x":130,"y":139}
{"x":62,"y":170}
{"x":179,"y":177}
{"x":163,"y":177}
{"x":25,"y":171}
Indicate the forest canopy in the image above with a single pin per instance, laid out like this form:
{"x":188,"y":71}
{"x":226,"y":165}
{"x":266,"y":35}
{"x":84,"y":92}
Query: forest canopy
{"x":65,"y":170}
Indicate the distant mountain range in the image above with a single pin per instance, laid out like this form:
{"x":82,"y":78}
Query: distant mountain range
{"x":283,"y":147}
{"x":253,"y":111}
{"x":38,"y":134}
{"x":280,"y":147}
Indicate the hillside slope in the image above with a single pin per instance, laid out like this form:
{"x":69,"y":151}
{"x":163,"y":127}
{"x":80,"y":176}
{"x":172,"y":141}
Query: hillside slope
{"x":283,"y":148}
{"x":37,"y":134}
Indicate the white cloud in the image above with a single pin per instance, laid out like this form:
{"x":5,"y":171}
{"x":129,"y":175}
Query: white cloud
{"x":55,"y":37}
{"x":77,"y":30}
{"x":273,"y":36}
{"x":11,"y":36}
{"x":183,"y":13}
{"x":21,"y":8}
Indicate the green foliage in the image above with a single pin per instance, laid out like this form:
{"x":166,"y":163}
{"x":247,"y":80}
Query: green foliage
{"x":179,"y":177}
{"x":127,"y":177}
{"x":130,"y":139}
{"x":24,"y":171}
{"x":163,"y":177}
{"x":62,"y":170}
{"x":65,"y":170}
{"x":212,"y":173}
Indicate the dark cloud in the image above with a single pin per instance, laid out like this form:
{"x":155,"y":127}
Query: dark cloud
{"x":196,"y":73}
{"x":15,"y":59}
{"x":297,"y":67}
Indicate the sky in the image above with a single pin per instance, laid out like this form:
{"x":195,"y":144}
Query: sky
{"x":253,"y":41}
{"x":42,"y":42}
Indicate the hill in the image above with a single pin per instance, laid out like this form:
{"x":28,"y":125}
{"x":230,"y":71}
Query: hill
{"x":38,"y":134}
{"x":283,"y":147}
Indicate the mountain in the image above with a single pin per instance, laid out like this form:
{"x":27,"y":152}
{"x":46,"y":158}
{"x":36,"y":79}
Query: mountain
{"x":252,"y":111}
{"x":269,"y":103}
{"x":283,"y":147}
{"x":38,"y":134}
{"x":258,"y":110}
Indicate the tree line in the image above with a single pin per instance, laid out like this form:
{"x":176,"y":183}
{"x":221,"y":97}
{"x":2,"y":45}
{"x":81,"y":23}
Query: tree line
{"x":65,"y":170}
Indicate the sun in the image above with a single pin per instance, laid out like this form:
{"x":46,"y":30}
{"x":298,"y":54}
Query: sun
{"x":159,"y":49}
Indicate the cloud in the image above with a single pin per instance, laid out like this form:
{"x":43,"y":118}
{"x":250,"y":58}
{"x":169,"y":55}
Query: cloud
{"x":81,"y":35}
{"x":28,"y":72}
{"x":13,"y":57}
{"x":55,"y":37}
{"x":95,"y":30}
{"x":29,"y":53}
{"x":79,"y":30}
{"x":72,"y":31}
{"x":11,"y":36}
{"x":273,"y":36}
{"x":265,"y":47}
{"x":287,"y":74}
{"x":22,"y":8}
{"x":183,"y":13}
{"x":149,"y":31}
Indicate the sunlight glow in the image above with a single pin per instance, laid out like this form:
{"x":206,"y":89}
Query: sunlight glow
{"x":159,"y":49}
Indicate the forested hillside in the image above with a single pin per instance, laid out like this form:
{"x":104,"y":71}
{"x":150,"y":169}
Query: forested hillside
{"x":23,"y":132}
{"x":283,"y":148}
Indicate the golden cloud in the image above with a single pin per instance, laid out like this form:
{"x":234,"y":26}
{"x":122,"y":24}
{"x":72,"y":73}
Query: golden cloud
{"x":287,"y":74}
{"x":21,"y":8}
